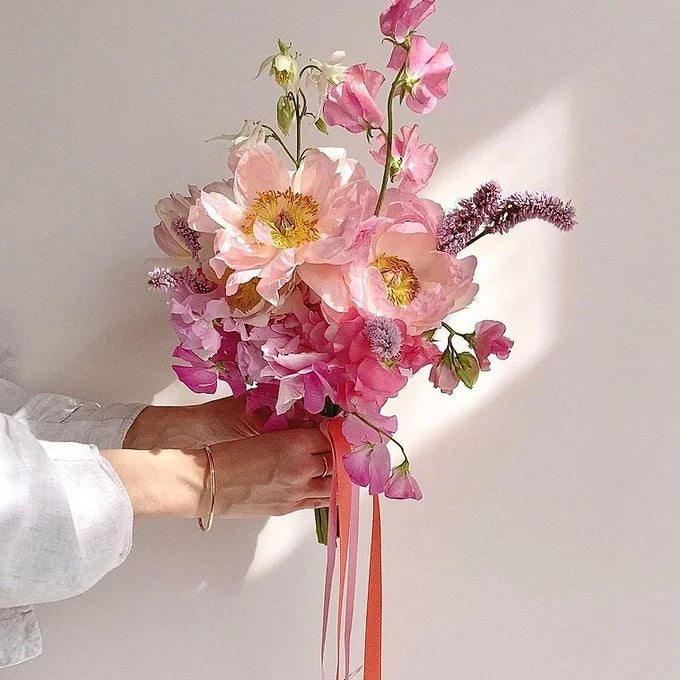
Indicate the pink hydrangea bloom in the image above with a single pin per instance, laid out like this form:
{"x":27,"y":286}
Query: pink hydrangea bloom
{"x":489,"y":338}
{"x":416,"y":162}
{"x":402,"y":484}
{"x":351,"y":103}
{"x":403,"y":16}
{"x":281,"y":222}
{"x":427,"y":73}
{"x":443,"y":375}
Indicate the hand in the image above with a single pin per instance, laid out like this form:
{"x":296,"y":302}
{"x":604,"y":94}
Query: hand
{"x":220,"y":420}
{"x":270,"y":474}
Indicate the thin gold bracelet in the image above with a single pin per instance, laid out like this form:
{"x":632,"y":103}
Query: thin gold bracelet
{"x":213,"y":485}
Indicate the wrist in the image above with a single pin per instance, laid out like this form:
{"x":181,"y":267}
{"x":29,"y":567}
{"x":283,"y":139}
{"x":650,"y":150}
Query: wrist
{"x":163,"y":482}
{"x":166,"y":426}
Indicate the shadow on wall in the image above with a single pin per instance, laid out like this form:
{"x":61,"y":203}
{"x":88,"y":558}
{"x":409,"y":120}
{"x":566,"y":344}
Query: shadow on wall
{"x":511,"y":565}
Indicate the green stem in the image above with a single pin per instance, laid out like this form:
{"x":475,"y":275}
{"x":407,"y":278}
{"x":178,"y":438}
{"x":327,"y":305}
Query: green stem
{"x":389,"y":135}
{"x":275,"y":135}
{"x":484,"y":232}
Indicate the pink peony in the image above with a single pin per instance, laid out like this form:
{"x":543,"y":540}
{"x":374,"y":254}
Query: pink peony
{"x":402,"y":484}
{"x":443,"y":374}
{"x":489,"y":338}
{"x":427,"y":73}
{"x":279,"y":222}
{"x":403,"y":16}
{"x":414,"y":163}
{"x":403,"y":276}
{"x":351,"y":103}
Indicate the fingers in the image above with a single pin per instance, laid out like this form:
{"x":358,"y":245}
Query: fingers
{"x":318,"y":488}
{"x":312,"y":503}
{"x":323,"y":463}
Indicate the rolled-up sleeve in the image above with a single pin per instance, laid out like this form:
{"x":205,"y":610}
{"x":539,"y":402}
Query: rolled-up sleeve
{"x":65,"y":517}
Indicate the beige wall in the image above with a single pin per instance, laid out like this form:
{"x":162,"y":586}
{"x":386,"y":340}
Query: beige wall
{"x":547,"y":546}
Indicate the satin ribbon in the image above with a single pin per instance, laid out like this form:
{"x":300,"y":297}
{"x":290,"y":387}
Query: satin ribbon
{"x":344,"y":512}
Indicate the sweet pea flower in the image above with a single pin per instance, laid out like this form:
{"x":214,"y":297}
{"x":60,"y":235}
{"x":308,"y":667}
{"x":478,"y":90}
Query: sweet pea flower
{"x":402,"y":484}
{"x":404,"y":16}
{"x":368,"y":464}
{"x":351,"y":103}
{"x":202,"y":374}
{"x":280,"y":222}
{"x":403,"y":276}
{"x":196,"y":316}
{"x":443,"y":374}
{"x":489,"y":338}
{"x":426,"y":79}
{"x":173,"y":234}
{"x":412,"y":163}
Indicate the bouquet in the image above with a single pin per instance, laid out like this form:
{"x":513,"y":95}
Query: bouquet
{"x":318,"y":293}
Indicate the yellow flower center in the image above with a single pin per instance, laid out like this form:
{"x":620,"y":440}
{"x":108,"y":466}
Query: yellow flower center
{"x":246,"y":297}
{"x":291,"y":217}
{"x":400,"y":279}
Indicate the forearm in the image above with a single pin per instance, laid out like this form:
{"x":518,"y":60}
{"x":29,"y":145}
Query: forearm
{"x":162,"y":482}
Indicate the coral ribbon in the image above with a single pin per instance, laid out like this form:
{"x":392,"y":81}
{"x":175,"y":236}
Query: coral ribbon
{"x":344,"y":511}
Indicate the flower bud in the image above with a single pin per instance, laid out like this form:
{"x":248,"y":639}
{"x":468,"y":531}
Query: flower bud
{"x":466,"y":368}
{"x":321,"y":125}
{"x":442,"y":374}
{"x":285,"y":113}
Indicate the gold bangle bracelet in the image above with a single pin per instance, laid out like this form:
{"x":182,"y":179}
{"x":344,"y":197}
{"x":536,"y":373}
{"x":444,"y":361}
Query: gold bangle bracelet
{"x":213,"y":485}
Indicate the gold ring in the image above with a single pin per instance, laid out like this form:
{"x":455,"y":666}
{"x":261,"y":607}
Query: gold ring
{"x":325,"y":467}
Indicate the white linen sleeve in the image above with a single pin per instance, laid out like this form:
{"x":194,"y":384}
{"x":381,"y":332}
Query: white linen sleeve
{"x":65,"y":517}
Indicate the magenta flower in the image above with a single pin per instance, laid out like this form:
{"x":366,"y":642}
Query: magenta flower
{"x":403,"y":16}
{"x":402,"y":484}
{"x":426,"y":79}
{"x":443,"y":376}
{"x":351,"y":103}
{"x":201,"y":375}
{"x":413,"y":163}
{"x":489,"y":339}
{"x":369,"y":462}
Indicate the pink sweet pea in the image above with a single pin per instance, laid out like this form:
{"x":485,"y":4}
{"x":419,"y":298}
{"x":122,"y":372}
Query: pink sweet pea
{"x":403,"y":16}
{"x":201,"y":375}
{"x":443,"y":375}
{"x":369,"y":462}
{"x":351,"y":103}
{"x":489,"y":339}
{"x":414,"y":162}
{"x":402,"y":484}
{"x":427,"y":73}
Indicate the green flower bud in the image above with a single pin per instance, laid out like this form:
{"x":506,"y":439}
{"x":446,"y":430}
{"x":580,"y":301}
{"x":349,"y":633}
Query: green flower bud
{"x":321,"y":125}
{"x":285,"y":113}
{"x":467,"y":368}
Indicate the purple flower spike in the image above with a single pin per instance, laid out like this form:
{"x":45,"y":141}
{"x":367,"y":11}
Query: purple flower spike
{"x":462,"y":223}
{"x":532,"y":206}
{"x":487,"y":209}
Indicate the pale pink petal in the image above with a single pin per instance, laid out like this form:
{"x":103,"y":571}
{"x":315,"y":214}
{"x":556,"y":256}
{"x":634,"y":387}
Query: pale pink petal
{"x":328,"y":282}
{"x":260,"y":169}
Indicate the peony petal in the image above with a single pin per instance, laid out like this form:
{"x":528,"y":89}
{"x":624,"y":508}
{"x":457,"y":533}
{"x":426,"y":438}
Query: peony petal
{"x":260,"y":169}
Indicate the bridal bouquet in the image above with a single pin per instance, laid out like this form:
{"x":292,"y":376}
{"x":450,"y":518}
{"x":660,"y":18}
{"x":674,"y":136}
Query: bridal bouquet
{"x":318,"y":293}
